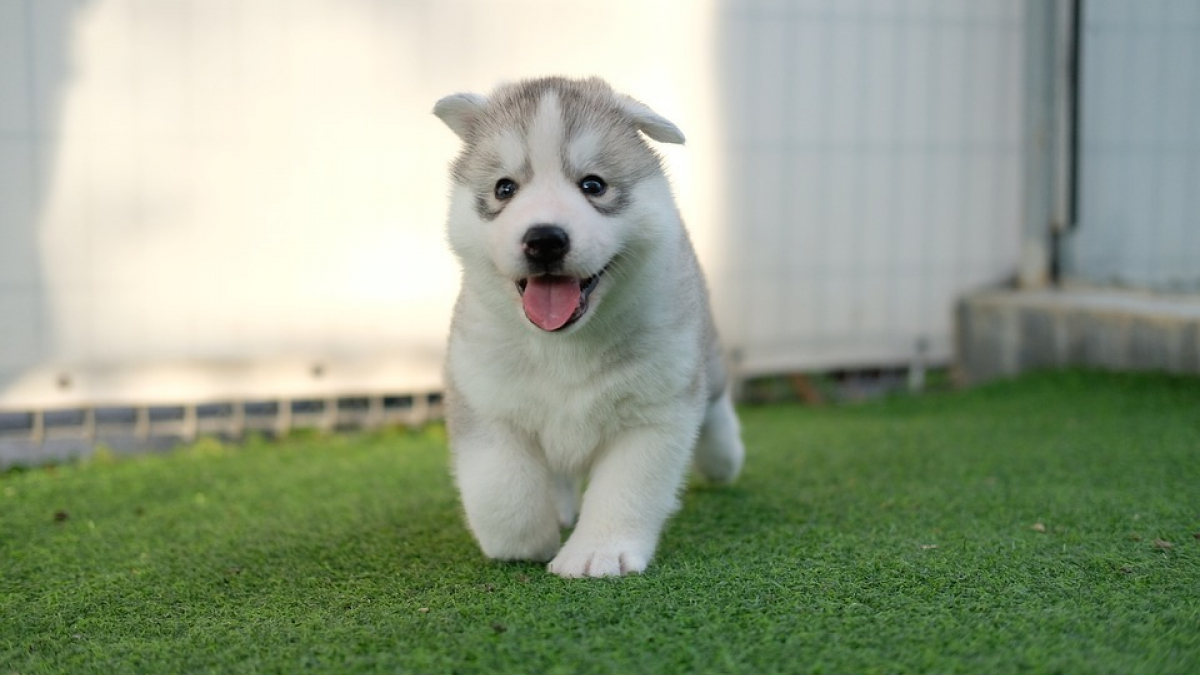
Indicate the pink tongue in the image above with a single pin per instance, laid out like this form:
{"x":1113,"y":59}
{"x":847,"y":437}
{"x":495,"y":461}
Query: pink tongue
{"x":550,"y":301}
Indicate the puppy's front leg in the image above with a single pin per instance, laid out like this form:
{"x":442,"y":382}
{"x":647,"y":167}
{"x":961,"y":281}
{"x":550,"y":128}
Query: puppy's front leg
{"x":633,"y":489}
{"x":507,"y":492}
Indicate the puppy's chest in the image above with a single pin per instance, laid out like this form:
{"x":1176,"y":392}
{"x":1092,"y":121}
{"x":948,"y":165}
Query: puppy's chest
{"x":570,"y":408}
{"x":569,"y":428}
{"x":591,"y":401}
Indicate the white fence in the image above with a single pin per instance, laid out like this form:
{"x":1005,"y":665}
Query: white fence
{"x":230,"y":199}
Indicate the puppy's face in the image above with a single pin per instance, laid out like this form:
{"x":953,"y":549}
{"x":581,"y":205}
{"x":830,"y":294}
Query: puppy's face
{"x":546,"y":191}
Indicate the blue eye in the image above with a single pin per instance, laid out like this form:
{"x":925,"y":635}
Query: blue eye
{"x":593,"y":186}
{"x":505,"y":189}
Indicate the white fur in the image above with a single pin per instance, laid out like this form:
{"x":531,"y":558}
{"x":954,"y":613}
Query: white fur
{"x":621,"y":399}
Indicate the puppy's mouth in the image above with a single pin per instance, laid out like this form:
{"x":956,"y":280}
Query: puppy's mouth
{"x":553,"y":302}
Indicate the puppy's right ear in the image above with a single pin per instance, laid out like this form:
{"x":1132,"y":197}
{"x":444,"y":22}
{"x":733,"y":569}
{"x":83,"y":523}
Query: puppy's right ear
{"x":460,"y":112}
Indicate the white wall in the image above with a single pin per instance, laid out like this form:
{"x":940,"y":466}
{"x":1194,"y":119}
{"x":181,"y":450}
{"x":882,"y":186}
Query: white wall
{"x":205,"y":183}
{"x":232,"y":181}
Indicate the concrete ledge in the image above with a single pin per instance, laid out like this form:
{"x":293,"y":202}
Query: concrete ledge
{"x":1004,"y":333}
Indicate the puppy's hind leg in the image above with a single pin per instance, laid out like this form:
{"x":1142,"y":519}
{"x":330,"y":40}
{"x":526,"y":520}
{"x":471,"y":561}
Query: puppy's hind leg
{"x":566,"y":495}
{"x":719,"y":451}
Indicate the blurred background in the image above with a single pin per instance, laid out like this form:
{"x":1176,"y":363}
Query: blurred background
{"x":220,"y":211}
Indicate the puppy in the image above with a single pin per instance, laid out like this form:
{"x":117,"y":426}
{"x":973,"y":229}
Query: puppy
{"x":582,"y":352}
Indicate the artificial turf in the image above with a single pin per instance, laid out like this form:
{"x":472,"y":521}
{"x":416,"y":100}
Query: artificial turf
{"x":1049,"y":525}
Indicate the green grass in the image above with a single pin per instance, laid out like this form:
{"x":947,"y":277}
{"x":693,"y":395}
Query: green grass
{"x":889,"y":537}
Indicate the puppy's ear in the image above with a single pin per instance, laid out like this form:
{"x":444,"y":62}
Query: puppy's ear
{"x":460,"y":112}
{"x":651,"y":123}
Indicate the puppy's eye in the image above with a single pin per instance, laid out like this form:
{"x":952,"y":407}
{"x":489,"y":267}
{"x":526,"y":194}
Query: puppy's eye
{"x":593,"y":186}
{"x":505,"y":189}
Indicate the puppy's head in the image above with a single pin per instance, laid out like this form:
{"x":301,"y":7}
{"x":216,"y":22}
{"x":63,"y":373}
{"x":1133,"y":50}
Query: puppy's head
{"x":554,"y":190}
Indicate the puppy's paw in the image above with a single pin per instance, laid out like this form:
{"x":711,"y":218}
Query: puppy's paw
{"x":537,"y":552}
{"x":604,"y":560}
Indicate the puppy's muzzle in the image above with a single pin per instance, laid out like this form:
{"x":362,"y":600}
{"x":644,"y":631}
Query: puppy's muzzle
{"x":545,"y":246}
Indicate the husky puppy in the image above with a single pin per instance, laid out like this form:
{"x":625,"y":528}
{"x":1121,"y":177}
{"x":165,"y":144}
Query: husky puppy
{"x":582,"y":351}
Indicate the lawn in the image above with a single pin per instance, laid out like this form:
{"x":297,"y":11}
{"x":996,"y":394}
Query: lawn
{"x":1048,"y":525}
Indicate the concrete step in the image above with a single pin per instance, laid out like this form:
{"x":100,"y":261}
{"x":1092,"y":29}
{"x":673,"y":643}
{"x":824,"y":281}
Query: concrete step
{"x":1004,"y":333}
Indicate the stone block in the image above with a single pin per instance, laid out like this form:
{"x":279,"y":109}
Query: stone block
{"x":1003,"y":333}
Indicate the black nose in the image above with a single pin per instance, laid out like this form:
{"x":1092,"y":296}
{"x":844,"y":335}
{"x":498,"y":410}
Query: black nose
{"x":545,"y":244}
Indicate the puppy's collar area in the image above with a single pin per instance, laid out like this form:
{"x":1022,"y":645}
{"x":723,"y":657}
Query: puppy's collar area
{"x":552,"y":302}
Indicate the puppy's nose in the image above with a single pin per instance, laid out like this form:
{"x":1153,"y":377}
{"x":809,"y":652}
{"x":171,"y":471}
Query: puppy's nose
{"x":545,"y":244}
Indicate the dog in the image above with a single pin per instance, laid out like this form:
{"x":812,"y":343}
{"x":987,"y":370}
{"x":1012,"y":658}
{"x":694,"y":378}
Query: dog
{"x":582,"y":350}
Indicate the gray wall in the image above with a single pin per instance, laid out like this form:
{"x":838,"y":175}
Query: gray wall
{"x":1139,"y":199}
{"x":874,"y":174}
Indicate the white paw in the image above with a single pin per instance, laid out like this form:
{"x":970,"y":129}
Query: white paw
{"x":539,"y":550}
{"x":577,"y":561}
{"x":721,"y":468}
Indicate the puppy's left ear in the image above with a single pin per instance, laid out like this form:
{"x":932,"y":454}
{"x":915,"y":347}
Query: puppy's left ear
{"x":460,"y":112}
{"x":651,"y":123}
